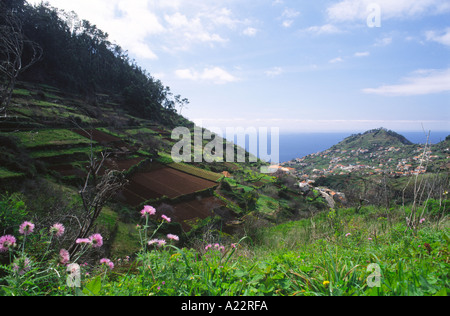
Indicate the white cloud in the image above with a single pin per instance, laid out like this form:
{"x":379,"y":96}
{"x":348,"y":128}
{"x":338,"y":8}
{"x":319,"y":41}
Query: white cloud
{"x":288,"y":17}
{"x":336,"y":60}
{"x":215,"y":75}
{"x":442,"y":37}
{"x":250,"y":31}
{"x":142,"y":27}
{"x":385,"y":41}
{"x":323,"y":29}
{"x":353,"y":10}
{"x":421,"y":82}
{"x":276,"y":71}
{"x":362,"y":54}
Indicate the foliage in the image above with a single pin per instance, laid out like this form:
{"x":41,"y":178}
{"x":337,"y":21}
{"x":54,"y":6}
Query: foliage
{"x":12,"y":211}
{"x":369,"y":257}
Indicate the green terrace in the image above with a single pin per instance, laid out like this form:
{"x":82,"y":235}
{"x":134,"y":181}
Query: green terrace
{"x":51,"y":137}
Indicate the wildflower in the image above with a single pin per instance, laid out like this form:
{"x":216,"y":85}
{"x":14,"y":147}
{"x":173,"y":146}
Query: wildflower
{"x":234,"y":246}
{"x":173,"y":237}
{"x":148,"y":210}
{"x":7,"y":242}
{"x":326,"y":283}
{"x":57,"y":229}
{"x":22,"y":265}
{"x":83,"y":241}
{"x":96,"y":240}
{"x":370,"y":239}
{"x":26,"y":228}
{"x":107,"y":262}
{"x":160,"y":242}
{"x":348,"y":235}
{"x":208,"y":247}
{"x":152,"y":242}
{"x":166,"y":218}
{"x":65,"y":256}
{"x":422,"y":221}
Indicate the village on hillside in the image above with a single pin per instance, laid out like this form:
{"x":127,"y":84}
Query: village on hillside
{"x":392,"y":161}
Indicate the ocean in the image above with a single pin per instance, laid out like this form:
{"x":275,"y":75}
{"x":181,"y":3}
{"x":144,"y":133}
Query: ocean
{"x":300,"y":145}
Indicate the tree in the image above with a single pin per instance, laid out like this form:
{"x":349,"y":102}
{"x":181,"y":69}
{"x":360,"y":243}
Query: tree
{"x":17,"y":54}
{"x":96,"y":192}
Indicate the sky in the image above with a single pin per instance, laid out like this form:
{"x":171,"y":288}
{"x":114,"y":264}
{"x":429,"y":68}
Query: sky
{"x":300,"y":66}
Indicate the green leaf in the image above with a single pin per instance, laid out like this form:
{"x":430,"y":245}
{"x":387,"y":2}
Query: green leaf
{"x":93,"y":287}
{"x":442,"y":292}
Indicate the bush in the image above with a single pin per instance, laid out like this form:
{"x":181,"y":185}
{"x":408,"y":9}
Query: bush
{"x":12,"y":212}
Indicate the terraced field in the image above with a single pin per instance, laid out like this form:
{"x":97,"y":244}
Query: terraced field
{"x":161,"y":182}
{"x":46,"y":123}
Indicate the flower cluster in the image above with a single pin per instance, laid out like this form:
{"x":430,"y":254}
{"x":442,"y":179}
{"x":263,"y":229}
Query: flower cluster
{"x":215,"y":247}
{"x":151,"y":211}
{"x":148,"y":210}
{"x":96,"y":241}
{"x":107,"y":262}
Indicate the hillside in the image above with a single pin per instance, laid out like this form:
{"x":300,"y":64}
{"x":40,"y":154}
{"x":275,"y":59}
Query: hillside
{"x":373,"y":139}
{"x":91,"y":202}
{"x":53,"y":136}
{"x":375,"y":152}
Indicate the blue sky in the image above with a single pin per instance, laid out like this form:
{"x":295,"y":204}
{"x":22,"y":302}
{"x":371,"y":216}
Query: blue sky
{"x":302,"y":66}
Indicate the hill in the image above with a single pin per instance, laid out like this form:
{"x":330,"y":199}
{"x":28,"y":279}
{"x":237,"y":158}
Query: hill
{"x":52,"y":137}
{"x":373,"y":139}
{"x":378,"y":151}
{"x":86,"y":174}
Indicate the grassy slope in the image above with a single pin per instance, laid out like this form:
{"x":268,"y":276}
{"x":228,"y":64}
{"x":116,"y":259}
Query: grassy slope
{"x":309,"y":257}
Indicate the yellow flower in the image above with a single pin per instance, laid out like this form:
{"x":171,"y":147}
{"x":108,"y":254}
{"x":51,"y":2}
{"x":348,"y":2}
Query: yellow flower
{"x":326,"y":283}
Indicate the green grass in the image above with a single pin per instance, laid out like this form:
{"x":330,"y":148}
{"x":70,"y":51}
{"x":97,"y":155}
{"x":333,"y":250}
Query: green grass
{"x":7,"y":174}
{"x":50,"y":137}
{"x":201,"y":173}
{"x":333,"y":254}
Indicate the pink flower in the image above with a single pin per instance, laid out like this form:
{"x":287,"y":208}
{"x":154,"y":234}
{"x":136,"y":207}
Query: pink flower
{"x":166,"y":218}
{"x":96,"y":240}
{"x":422,"y":221}
{"x":57,"y":229}
{"x":148,"y":210}
{"x":173,"y":237}
{"x":26,"y":228}
{"x":152,"y":242}
{"x":348,"y":235}
{"x":83,"y":241}
{"x":7,"y":242}
{"x":65,"y":256}
{"x":107,"y":262}
{"x":208,"y":247}
{"x":160,"y":242}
